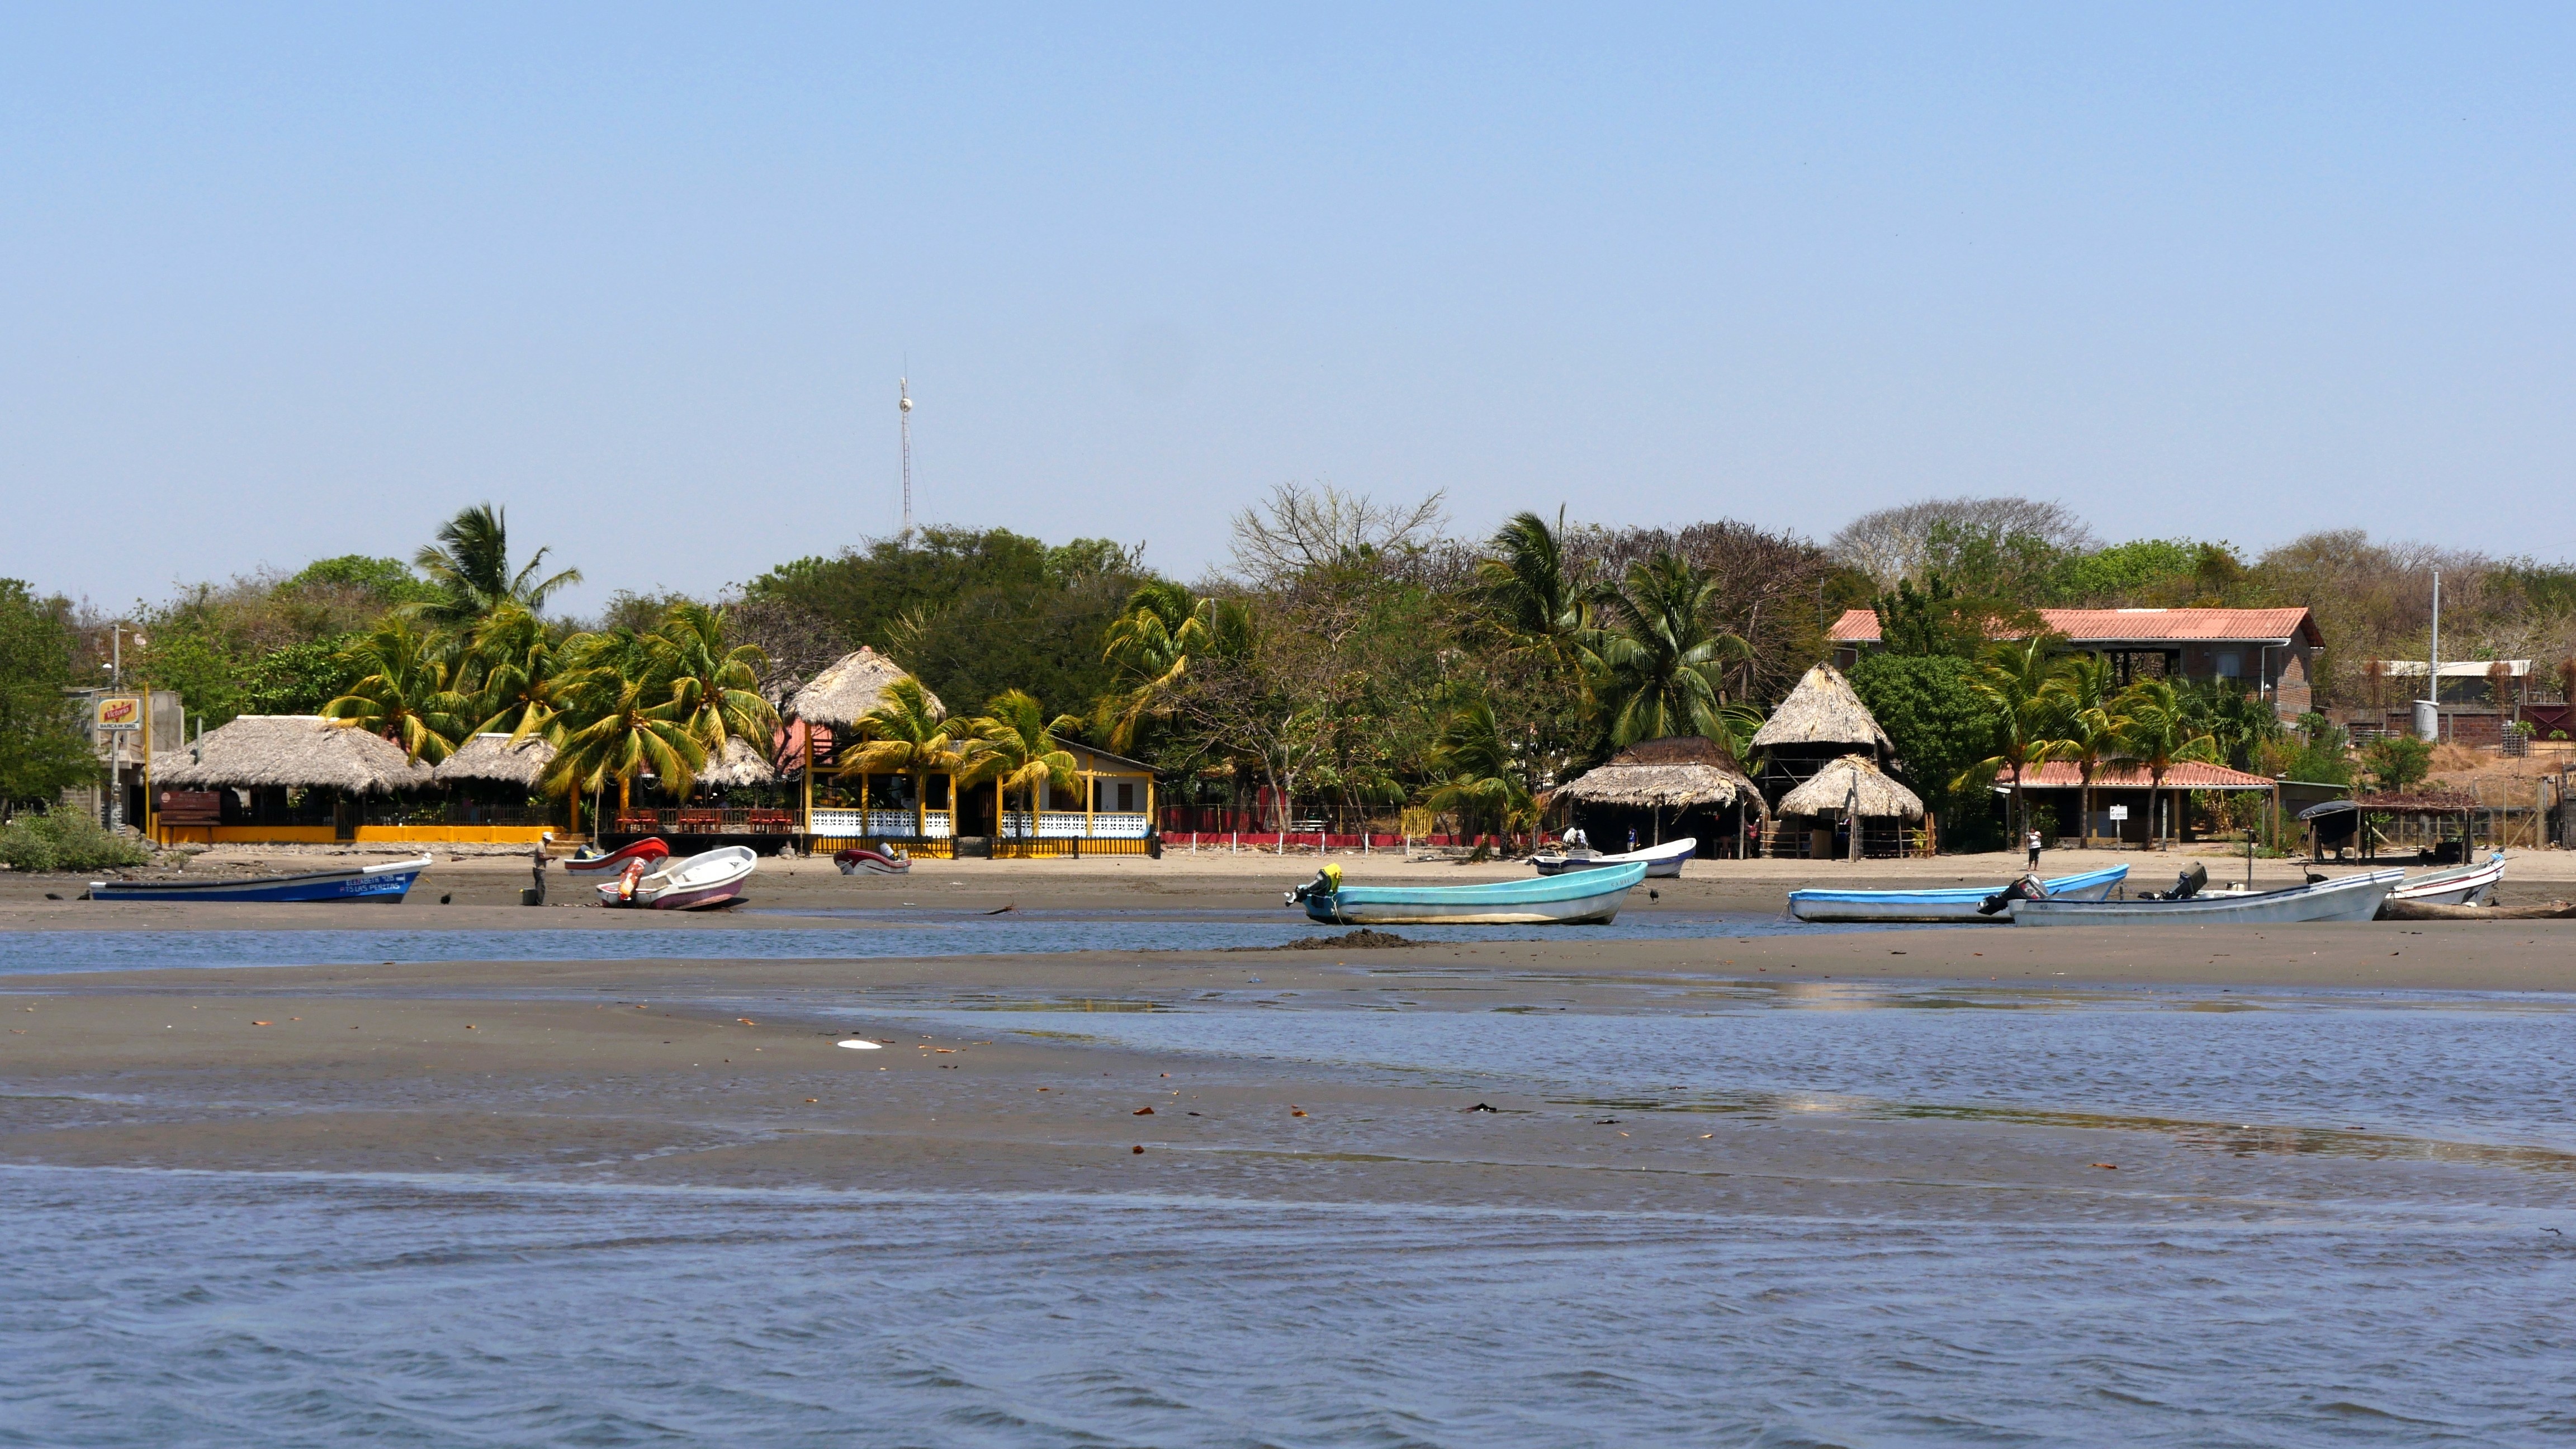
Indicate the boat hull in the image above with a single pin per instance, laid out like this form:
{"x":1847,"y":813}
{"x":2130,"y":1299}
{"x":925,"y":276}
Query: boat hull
{"x":1662,"y":862}
{"x":859,"y":860}
{"x":1579,"y":898}
{"x":2461,"y":886}
{"x":384,"y":884}
{"x":1941,"y":905}
{"x":2348,"y":898}
{"x":698,"y":883}
{"x":606,"y":867}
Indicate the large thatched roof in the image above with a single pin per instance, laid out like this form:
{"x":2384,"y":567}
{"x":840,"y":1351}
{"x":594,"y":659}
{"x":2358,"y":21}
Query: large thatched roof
{"x":493,"y":757}
{"x":1822,"y":710}
{"x":853,"y":686}
{"x":1670,"y":774}
{"x":1852,"y":783}
{"x":738,"y":763}
{"x":262,"y":750}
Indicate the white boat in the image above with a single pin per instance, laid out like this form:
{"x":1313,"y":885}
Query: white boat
{"x":2345,"y":898}
{"x":2464,"y":885}
{"x":696,"y":883}
{"x":1662,"y":862}
{"x":1957,"y":903}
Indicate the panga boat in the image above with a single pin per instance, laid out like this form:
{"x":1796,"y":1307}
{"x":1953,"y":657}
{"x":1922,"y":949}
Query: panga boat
{"x":388,"y":883}
{"x":1959,"y":904}
{"x":648,"y":849}
{"x":869,"y":860}
{"x":693,"y":884}
{"x":2345,"y":898}
{"x":2463,"y":885}
{"x":1577,"y":898}
{"x":1663,"y":862}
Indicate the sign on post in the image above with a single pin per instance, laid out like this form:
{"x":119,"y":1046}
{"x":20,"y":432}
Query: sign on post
{"x":2119,"y":813}
{"x":118,"y":713}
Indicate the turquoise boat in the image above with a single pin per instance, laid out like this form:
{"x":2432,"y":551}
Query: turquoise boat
{"x":1576,"y":898}
{"x":1958,"y":903}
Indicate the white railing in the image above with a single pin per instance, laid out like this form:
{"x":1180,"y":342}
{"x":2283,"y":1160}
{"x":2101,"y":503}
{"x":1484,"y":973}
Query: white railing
{"x":1074,"y":825}
{"x":935,"y":823}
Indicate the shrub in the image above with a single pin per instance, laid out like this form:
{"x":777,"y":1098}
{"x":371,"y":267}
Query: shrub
{"x":66,"y":840}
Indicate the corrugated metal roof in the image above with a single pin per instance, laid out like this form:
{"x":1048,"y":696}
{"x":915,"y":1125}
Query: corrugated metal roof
{"x":2138,"y":626}
{"x":2183,"y":775}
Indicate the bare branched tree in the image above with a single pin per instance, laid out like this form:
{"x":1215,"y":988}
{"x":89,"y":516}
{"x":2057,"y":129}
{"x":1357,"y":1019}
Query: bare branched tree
{"x":1888,"y":545}
{"x":1300,"y":529}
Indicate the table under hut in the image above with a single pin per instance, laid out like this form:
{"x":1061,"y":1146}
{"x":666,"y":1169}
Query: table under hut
{"x":1852,"y":810}
{"x":288,"y":778}
{"x":1660,"y":790}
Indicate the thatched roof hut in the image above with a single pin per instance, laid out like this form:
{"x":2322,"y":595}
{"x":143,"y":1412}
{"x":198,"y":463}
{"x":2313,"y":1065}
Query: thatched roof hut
{"x":1680,"y":773}
{"x":1853,"y":783}
{"x":492,"y":757}
{"x":262,"y":751}
{"x":850,"y":688}
{"x":738,"y":763}
{"x":1822,"y":710}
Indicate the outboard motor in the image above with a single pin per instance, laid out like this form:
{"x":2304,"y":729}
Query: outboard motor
{"x":2028,"y":888}
{"x":1327,"y":882}
{"x":2186,"y":885}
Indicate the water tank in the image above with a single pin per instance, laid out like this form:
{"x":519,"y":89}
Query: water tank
{"x":2428,"y":721}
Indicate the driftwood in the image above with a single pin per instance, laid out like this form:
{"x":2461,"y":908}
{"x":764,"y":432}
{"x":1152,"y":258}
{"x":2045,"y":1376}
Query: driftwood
{"x":2425,"y":911}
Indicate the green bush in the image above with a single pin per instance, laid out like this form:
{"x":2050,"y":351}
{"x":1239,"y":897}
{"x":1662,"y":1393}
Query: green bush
{"x":66,"y":840}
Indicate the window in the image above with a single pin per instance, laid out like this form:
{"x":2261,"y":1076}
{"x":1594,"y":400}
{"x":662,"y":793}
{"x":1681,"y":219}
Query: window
{"x":2231,"y":665}
{"x":1127,"y":797}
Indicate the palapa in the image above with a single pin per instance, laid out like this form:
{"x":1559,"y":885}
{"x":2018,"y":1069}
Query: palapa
{"x":1679,"y":773}
{"x":297,"y":751}
{"x":1822,"y":710}
{"x":493,"y":757}
{"x":1853,"y":783}
{"x":855,"y":685}
{"x":738,"y":763}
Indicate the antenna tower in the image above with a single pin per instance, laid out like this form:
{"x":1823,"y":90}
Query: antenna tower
{"x":903,"y":423}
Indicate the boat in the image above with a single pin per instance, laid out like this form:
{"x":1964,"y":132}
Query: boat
{"x":387,"y":883}
{"x":1958,"y":904}
{"x":2345,"y":898}
{"x":871,"y":860}
{"x":1577,"y":898}
{"x":650,"y":848}
{"x":696,"y":883}
{"x":2462,"y":885}
{"x":1662,"y":862}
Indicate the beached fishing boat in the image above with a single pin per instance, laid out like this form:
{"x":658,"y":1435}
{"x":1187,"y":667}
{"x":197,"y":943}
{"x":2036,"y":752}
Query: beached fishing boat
{"x":873,"y":860}
{"x":2345,"y":898}
{"x":387,"y":883}
{"x":1662,"y":862}
{"x":1577,"y":898}
{"x":2464,"y":885}
{"x":1959,"y":904}
{"x":694,"y":884}
{"x":648,"y":850}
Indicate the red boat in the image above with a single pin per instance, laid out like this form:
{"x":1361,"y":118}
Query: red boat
{"x":606,"y":867}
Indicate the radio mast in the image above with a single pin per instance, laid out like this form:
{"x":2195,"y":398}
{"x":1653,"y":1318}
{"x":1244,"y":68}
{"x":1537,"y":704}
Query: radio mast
{"x":903,"y":424}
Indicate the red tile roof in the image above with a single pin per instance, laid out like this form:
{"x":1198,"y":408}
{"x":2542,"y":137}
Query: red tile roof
{"x":2184,"y":775}
{"x":2139,"y":626}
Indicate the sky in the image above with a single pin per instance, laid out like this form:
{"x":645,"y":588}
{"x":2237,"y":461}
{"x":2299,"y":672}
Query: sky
{"x":285,"y":283}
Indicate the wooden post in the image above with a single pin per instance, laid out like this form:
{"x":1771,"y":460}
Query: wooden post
{"x":1090,"y":803}
{"x":863,"y":806}
{"x":806,"y":753}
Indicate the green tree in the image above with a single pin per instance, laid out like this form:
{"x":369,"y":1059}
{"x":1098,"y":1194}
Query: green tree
{"x":2159,"y":735}
{"x":291,"y":679}
{"x":469,"y":566}
{"x":1939,"y":725}
{"x":904,"y":735}
{"x":403,"y":691}
{"x":44,"y":749}
{"x":2397,"y":763}
{"x":1150,"y":646}
{"x":386,"y":582}
{"x":717,"y":681}
{"x":1663,"y":669}
{"x":517,"y":673}
{"x":1015,"y":748}
{"x":622,"y":719}
{"x":1474,"y":772}
{"x":2088,"y":723}
{"x":2014,"y":684}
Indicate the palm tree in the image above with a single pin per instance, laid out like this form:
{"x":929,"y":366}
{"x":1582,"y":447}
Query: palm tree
{"x":2088,"y":722}
{"x":1150,"y":647}
{"x":1533,"y":599}
{"x":513,"y":662}
{"x":2014,"y":682}
{"x":1475,"y":769}
{"x":470,"y":566}
{"x":720,"y":687}
{"x":903,"y":735}
{"x":622,"y":718}
{"x":1015,"y":748}
{"x":404,"y":692}
{"x":1661,"y":665}
{"x":2158,"y":735}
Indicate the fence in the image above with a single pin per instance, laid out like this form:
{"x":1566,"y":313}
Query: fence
{"x":688,"y":821}
{"x":1316,"y":841}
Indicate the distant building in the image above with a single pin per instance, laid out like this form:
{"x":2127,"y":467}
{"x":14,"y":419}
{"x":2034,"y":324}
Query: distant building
{"x":2271,"y":651}
{"x":128,"y":729}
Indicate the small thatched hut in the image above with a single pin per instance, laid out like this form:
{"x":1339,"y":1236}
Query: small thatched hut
{"x":1821,"y":721}
{"x":1856,"y":809}
{"x":1664,"y":789}
{"x":490,"y":781}
{"x":737,"y":764}
{"x":291,"y":769}
{"x":849,"y":689}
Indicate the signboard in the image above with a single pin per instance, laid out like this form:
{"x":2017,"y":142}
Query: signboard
{"x":118,"y":713}
{"x":2119,"y":813}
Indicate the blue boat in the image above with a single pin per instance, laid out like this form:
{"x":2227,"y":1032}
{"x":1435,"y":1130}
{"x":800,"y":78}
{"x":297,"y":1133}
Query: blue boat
{"x":1576,"y":898}
{"x":388,"y":883}
{"x":1956,"y":904}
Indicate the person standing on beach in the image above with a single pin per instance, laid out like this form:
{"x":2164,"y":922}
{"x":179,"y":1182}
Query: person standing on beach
{"x":2032,"y":841}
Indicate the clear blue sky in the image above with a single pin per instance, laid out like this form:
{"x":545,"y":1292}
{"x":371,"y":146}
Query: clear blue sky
{"x":287,"y":283}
